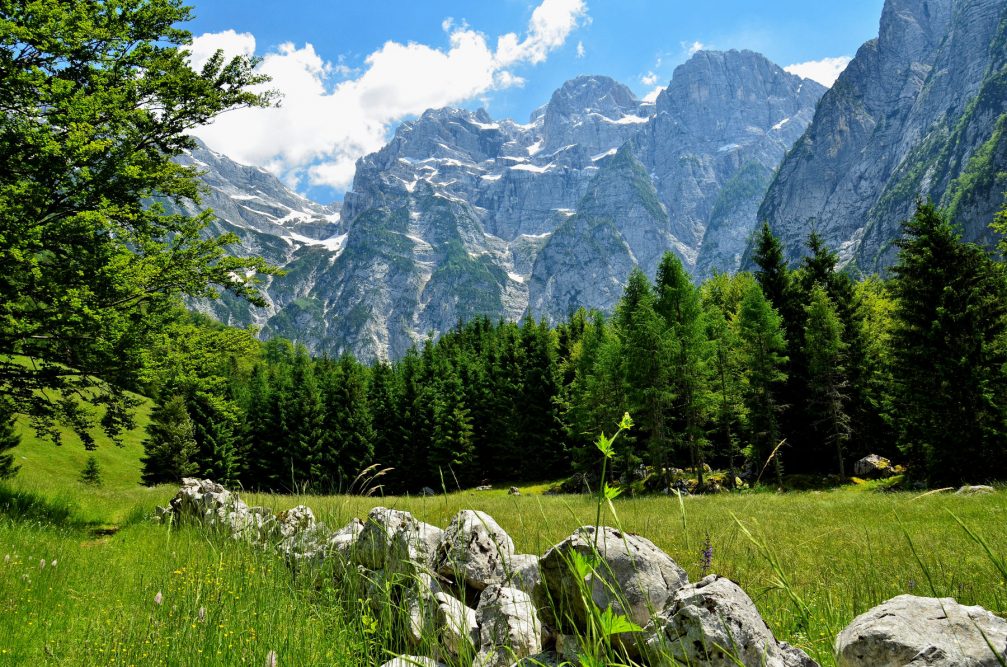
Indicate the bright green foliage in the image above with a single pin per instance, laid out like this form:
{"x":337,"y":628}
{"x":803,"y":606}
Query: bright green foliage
{"x":950,"y":390}
{"x":97,"y":99}
{"x":451,"y":445}
{"x":9,"y":439}
{"x":170,"y":448}
{"x":645,"y":363}
{"x":678,"y":304}
{"x":763,"y":347}
{"x":827,"y":384}
{"x":722,"y":296}
{"x":91,"y":473}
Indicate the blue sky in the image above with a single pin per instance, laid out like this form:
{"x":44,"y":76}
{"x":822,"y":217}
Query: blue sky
{"x":351,"y":71}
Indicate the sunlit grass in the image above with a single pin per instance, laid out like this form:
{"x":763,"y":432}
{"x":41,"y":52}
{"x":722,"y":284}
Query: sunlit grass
{"x":841,"y":552}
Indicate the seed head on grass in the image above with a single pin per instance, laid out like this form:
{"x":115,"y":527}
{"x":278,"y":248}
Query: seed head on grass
{"x":271,"y":659}
{"x":6,"y":559}
{"x":41,"y":564}
{"x":202,"y":613}
{"x":158,"y":599}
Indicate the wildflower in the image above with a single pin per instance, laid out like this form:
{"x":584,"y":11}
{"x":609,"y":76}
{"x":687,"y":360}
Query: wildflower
{"x":271,"y":659}
{"x":54,"y":563}
{"x":41,"y":564}
{"x":158,"y":599}
{"x":706,"y":557}
{"x":6,"y":559}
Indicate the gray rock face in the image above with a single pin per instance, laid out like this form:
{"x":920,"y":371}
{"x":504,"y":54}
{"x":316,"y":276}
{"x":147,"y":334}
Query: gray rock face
{"x":916,"y":109}
{"x":909,"y":630}
{"x":873,"y":466}
{"x":394,"y":541}
{"x":509,"y":628}
{"x":460,"y":215}
{"x":645,"y":577}
{"x":457,"y":627}
{"x":475,"y":550}
{"x":715,"y":623}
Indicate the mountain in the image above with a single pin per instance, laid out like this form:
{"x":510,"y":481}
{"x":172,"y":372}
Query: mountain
{"x":460,"y":215}
{"x":919,"y":112}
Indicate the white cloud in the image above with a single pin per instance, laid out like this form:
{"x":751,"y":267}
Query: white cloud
{"x":581,"y":51}
{"x":648,"y":79}
{"x":321,"y":127}
{"x":233,"y":44}
{"x":652,"y":95}
{"x":693,"y":48}
{"x":824,"y":71}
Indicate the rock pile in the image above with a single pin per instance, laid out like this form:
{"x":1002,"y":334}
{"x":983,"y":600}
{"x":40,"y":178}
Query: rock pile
{"x":470,"y":599}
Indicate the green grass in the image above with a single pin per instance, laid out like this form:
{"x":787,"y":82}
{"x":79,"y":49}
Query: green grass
{"x":836,"y":554}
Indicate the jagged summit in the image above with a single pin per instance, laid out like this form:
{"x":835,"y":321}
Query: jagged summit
{"x":915,"y":114}
{"x":462,"y":215}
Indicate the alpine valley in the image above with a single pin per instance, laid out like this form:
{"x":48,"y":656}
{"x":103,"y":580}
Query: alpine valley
{"x":462,"y":215}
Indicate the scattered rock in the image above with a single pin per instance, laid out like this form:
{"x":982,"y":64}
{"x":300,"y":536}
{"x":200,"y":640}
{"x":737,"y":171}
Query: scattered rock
{"x":514,"y":491}
{"x":427,"y":491}
{"x":522,"y":572}
{"x":412,"y":661}
{"x":394,"y":540}
{"x":342,"y":542}
{"x":548,"y":659}
{"x":917,"y":631}
{"x":977,"y":490}
{"x":715,"y":623}
{"x":646,"y":577}
{"x":509,"y":627}
{"x":484,"y":487}
{"x":421,"y":607}
{"x":295,"y":520}
{"x":475,"y":550}
{"x":457,"y":629}
{"x":873,"y":466}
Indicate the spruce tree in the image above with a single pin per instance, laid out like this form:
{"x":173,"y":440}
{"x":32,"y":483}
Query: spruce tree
{"x":541,"y":443}
{"x":91,"y":473}
{"x":451,"y":447}
{"x":645,"y":365}
{"x":827,"y":384}
{"x":170,"y":447}
{"x":347,"y":422}
{"x":214,"y":424}
{"x":950,"y":390}
{"x":9,"y":439}
{"x":679,"y":305}
{"x":760,"y":330}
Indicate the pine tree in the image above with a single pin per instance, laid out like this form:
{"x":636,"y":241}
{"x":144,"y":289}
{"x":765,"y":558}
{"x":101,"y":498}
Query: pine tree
{"x":451,"y":446}
{"x":170,"y":448}
{"x":347,"y":422}
{"x":679,"y":305}
{"x":213,"y":429}
{"x":91,"y":473}
{"x":950,"y":390}
{"x":9,"y":439}
{"x":645,"y":364}
{"x":763,"y":345}
{"x":541,"y":443}
{"x":827,"y":384}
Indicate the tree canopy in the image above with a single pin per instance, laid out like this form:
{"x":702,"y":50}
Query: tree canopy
{"x":96,"y":99}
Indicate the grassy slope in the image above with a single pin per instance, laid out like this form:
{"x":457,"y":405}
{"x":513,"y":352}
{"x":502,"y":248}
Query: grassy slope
{"x":841,"y":552}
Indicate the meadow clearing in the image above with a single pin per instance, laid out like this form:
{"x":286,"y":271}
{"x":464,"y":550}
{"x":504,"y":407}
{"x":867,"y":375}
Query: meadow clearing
{"x":87,"y":577}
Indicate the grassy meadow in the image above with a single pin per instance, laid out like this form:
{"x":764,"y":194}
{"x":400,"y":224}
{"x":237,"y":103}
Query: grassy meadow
{"x":81,"y":568}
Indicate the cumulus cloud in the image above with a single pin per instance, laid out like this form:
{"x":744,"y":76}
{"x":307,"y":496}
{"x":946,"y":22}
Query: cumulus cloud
{"x":652,"y":95}
{"x":824,"y":71}
{"x":581,"y":51}
{"x":322,"y":126}
{"x":231,"y":42}
{"x":648,"y":79}
{"x":693,"y":48}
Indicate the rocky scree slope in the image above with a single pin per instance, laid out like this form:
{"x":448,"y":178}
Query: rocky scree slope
{"x":461,"y":215}
{"x":919,"y":112}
